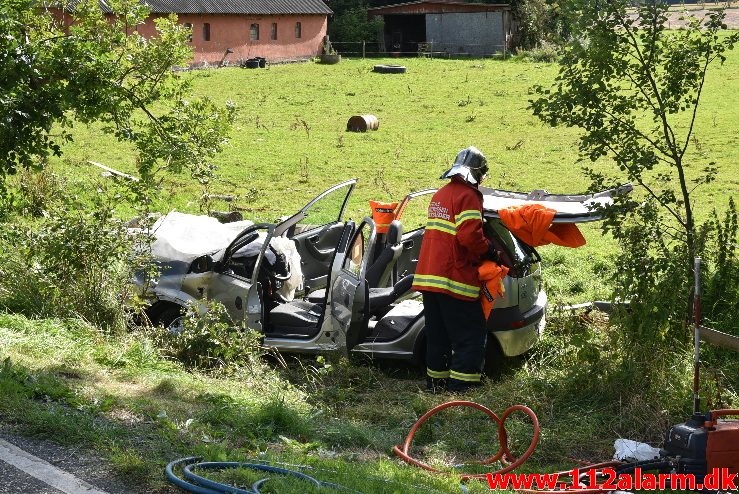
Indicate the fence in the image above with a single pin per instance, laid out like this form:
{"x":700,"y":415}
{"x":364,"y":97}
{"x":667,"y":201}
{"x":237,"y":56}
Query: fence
{"x":373,"y":49}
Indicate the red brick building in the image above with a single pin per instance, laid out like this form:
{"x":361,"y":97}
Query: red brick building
{"x":242,"y":29}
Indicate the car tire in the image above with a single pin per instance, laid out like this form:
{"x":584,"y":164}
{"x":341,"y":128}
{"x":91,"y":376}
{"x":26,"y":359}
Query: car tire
{"x":170,"y":318}
{"x":495,"y":361}
{"x":389,"y":69}
{"x":419,"y":353}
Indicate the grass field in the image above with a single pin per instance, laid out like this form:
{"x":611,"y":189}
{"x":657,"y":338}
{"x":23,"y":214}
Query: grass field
{"x":289,"y":142}
{"x":117,"y":394}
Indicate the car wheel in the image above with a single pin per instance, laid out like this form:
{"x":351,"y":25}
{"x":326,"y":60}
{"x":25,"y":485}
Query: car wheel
{"x":495,"y":361}
{"x":172,"y":319}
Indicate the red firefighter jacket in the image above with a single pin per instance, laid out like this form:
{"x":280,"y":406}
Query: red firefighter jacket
{"x":453,"y":243}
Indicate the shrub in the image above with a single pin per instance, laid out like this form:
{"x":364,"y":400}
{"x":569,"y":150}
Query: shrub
{"x":38,"y":191}
{"x":210,"y":339}
{"x":72,"y":263}
{"x":544,"y":52}
{"x":721,"y":279}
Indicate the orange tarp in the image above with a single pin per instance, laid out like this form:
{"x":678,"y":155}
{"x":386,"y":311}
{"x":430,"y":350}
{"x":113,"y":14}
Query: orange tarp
{"x":491,"y":274}
{"x":532,"y":223}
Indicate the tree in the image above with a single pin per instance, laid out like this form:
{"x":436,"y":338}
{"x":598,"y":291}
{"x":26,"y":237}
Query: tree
{"x":538,"y":21}
{"x":351,"y":24}
{"x":634,"y":88}
{"x":77,"y":64}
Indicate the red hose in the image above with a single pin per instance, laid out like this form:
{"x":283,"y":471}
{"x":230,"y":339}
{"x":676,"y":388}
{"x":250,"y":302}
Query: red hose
{"x":503,"y":454}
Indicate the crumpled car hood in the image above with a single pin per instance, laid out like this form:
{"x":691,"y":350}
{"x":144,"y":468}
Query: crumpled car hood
{"x":185,"y":237}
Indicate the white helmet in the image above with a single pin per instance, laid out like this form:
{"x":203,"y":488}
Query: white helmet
{"x":470,"y":164}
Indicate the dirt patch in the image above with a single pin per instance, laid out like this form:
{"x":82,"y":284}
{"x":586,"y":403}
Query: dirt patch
{"x":675,"y":20}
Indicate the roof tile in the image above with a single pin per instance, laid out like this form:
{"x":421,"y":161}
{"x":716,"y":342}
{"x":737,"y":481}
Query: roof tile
{"x":255,"y":7}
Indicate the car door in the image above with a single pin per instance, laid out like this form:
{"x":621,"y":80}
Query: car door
{"x":349,"y":291}
{"x":231,"y":282}
{"x":317,"y":232}
{"x":412,"y":212}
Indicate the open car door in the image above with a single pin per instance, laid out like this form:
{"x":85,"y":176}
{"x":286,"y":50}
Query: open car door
{"x":570,"y":208}
{"x":236,"y":272}
{"x":412,"y":212}
{"x":349,"y":300}
{"x":316,"y":230}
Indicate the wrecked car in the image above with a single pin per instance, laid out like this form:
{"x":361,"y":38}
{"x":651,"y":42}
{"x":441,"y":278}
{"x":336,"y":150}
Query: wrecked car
{"x":316,"y":282}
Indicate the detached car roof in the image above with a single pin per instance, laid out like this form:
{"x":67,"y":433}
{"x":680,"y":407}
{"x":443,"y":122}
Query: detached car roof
{"x":578,"y":208}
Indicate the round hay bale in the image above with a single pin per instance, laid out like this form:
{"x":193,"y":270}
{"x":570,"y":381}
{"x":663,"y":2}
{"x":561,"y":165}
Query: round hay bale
{"x":362,"y":123}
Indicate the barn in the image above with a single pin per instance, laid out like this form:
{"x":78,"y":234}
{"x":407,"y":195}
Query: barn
{"x":445,"y":27}
{"x":236,"y":30}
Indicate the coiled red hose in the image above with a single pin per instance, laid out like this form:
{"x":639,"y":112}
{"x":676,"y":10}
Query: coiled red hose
{"x":503,"y":454}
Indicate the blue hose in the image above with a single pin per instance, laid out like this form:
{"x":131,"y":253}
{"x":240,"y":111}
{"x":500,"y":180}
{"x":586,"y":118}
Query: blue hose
{"x":201,"y":485}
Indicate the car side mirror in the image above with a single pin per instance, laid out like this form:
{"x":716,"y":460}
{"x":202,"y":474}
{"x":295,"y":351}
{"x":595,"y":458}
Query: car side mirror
{"x":202,"y":264}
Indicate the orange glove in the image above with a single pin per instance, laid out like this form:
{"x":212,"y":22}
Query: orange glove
{"x":491,"y":274}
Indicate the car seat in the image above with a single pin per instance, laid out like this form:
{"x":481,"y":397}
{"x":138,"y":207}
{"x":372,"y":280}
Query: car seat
{"x":379,"y":272}
{"x":300,"y":318}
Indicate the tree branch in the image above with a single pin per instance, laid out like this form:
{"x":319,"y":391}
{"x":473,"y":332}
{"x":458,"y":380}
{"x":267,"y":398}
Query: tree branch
{"x":648,"y":189}
{"x":695,"y":105}
{"x":669,"y":135}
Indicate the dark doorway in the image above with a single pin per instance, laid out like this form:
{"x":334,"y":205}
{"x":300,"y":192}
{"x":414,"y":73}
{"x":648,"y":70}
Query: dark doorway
{"x":403,"y":32}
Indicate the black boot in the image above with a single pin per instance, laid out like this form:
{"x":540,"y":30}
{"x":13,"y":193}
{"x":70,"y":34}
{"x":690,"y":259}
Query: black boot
{"x":456,"y":386}
{"x":435,"y":385}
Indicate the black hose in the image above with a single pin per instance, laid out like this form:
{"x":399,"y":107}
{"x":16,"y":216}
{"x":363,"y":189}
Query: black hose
{"x":201,"y":485}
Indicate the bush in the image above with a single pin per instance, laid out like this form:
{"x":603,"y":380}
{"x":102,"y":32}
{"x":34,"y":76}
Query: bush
{"x":655,"y":276}
{"x":38,"y":191}
{"x":72,"y":263}
{"x":210,"y":339}
{"x":721,"y":278}
{"x":544,"y":52}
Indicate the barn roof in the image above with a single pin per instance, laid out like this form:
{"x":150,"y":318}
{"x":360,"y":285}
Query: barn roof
{"x":254,"y":7}
{"x":440,"y":5}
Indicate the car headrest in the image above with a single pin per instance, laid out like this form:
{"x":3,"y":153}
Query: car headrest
{"x":394,"y":232}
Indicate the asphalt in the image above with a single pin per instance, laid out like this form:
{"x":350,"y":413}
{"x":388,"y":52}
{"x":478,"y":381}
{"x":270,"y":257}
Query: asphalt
{"x":84,"y":465}
{"x":14,"y":481}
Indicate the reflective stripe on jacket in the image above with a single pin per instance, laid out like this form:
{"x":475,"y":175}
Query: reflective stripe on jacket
{"x":453,"y":243}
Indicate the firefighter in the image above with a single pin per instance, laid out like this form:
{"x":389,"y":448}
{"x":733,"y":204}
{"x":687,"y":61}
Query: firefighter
{"x":453,"y":247}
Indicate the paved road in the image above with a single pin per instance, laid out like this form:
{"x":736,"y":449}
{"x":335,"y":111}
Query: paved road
{"x":732,"y":18}
{"x":23,"y":460}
